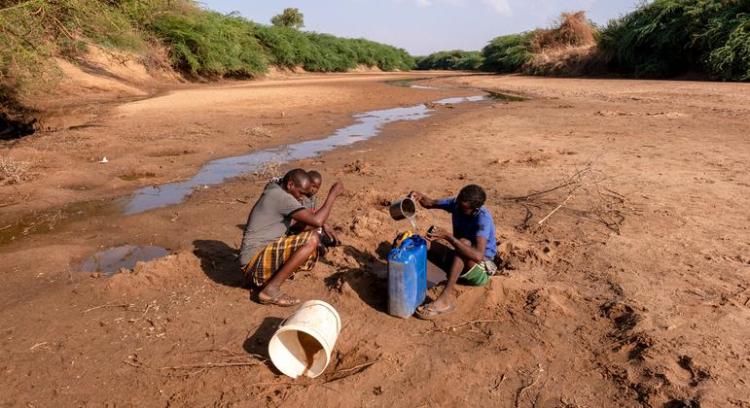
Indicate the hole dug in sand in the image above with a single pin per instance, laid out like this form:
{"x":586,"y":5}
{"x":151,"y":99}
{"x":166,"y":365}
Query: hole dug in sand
{"x":113,"y":260}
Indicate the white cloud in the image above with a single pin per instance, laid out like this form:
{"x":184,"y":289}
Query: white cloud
{"x":424,"y":3}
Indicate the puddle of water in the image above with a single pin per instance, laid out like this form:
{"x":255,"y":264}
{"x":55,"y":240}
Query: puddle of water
{"x":460,"y":99}
{"x":422,"y":87}
{"x":47,"y":221}
{"x":366,"y":126}
{"x":500,"y":96}
{"x":110,"y":261}
{"x":408,"y":83}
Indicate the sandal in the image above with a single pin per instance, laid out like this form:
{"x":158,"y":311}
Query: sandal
{"x":430,"y":313}
{"x":281,"y":299}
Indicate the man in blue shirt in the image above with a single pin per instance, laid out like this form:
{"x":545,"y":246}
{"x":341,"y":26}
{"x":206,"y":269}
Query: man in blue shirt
{"x":473,"y":241}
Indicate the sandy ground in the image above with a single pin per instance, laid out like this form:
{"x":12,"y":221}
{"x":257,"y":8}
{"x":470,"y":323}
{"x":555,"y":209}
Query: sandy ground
{"x":634,"y":292}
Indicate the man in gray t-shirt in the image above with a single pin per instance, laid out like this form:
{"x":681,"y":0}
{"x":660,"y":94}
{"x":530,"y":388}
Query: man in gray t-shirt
{"x":268,"y":254}
{"x":268,"y":221}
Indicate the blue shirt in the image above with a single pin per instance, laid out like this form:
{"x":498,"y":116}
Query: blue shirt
{"x":479,"y":224}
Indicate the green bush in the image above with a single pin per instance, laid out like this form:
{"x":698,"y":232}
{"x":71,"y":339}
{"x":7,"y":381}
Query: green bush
{"x":669,"y":37}
{"x":508,"y":53}
{"x":33,"y":32}
{"x":200,"y":42}
{"x":211,"y":44}
{"x":452,"y":60}
{"x":315,"y":52}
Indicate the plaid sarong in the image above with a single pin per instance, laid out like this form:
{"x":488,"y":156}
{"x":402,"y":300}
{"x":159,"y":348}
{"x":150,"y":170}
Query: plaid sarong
{"x":269,"y":259}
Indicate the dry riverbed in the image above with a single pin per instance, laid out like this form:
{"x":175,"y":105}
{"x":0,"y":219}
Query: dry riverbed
{"x":621,"y":209}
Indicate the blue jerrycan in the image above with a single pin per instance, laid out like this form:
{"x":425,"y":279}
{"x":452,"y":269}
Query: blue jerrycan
{"x":407,"y":276}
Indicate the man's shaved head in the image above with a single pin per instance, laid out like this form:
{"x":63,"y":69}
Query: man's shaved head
{"x":297,"y":176}
{"x":296,"y":182}
{"x":315,"y":176}
{"x":315,"y":181}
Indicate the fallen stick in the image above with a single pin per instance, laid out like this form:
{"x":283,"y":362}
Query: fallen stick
{"x":106,"y":306}
{"x":572,"y":180}
{"x":453,"y":328}
{"x":350,"y":371}
{"x":130,"y":363}
{"x":524,"y":388}
{"x":148,"y":306}
{"x":365,"y":365}
{"x":34,"y":347}
{"x":211,"y":365}
{"x":556,"y":208}
{"x":499,"y":382}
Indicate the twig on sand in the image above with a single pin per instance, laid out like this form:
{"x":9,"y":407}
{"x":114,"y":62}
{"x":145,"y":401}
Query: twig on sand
{"x":572,"y":180}
{"x":357,"y":367}
{"x":132,"y":364}
{"x":148,"y":307}
{"x":127,"y":306}
{"x":450,"y":330}
{"x":498,"y":382}
{"x":211,"y":365}
{"x":37,"y":345}
{"x":349,"y":371}
{"x":556,"y":209}
{"x":454,"y":328}
{"x":527,"y":386}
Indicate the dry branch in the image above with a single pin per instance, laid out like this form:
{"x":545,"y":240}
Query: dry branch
{"x":205,"y":366}
{"x":127,"y":306}
{"x":556,"y":209}
{"x":527,"y":386}
{"x":572,"y":180}
{"x":347,"y":372}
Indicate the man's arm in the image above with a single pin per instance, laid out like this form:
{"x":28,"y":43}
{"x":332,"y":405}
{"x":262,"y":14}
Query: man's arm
{"x":423,"y":200}
{"x":318,"y":218}
{"x":467,"y":251}
{"x":476,"y":254}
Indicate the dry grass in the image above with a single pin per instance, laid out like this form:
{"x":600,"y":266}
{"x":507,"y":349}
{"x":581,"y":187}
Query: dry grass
{"x":572,"y":30}
{"x":12,"y":171}
{"x":569,"y":48}
{"x":570,"y":60}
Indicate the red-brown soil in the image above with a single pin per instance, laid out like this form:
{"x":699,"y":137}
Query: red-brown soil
{"x":635,"y":292}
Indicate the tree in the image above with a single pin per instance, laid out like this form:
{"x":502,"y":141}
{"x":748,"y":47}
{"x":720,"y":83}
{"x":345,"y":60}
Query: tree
{"x":290,"y":17}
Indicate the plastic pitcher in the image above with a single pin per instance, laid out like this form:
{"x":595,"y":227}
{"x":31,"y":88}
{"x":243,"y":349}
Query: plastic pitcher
{"x":407,"y":276}
{"x":304,"y":342}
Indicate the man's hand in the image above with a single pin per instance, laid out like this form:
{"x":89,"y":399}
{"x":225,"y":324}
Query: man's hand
{"x":329,"y":231}
{"x":421,"y":199}
{"x":337,"y":189}
{"x":439,"y":233}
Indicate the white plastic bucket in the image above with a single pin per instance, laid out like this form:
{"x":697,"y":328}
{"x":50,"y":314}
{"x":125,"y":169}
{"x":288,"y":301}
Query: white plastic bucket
{"x":304,"y":342}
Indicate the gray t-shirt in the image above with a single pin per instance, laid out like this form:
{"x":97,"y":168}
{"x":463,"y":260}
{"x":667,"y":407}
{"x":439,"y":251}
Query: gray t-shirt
{"x":268,"y":221}
{"x":310,"y":203}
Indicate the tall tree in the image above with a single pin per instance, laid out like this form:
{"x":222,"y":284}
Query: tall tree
{"x":290,"y":17}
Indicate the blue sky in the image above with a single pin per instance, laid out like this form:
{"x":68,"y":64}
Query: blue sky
{"x":424,"y":26}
